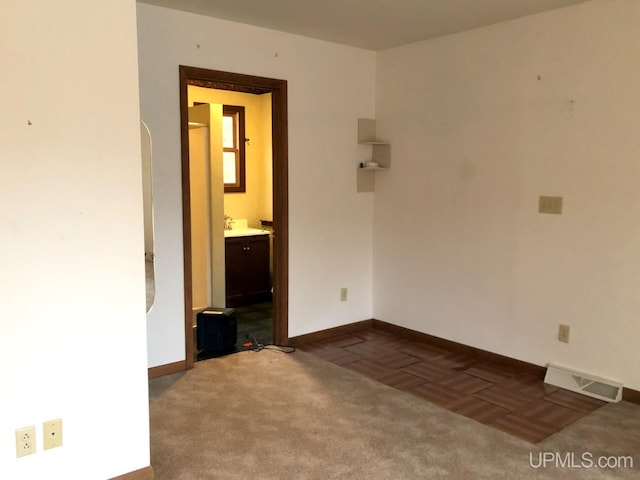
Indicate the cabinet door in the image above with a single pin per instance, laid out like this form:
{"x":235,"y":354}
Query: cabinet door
{"x":257,"y":281}
{"x":234,"y":270}
{"x":247,"y":274}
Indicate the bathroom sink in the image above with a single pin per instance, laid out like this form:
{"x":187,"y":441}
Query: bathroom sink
{"x":245,"y":232}
{"x":239,"y":228}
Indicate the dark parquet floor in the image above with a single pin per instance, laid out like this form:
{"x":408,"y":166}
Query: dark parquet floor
{"x":517,"y":403}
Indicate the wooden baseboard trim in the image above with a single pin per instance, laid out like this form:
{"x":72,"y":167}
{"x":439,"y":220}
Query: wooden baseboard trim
{"x":518,"y":365}
{"x":161,"y":370}
{"x":630,"y":395}
{"x":142,"y":474}
{"x":329,"y":332}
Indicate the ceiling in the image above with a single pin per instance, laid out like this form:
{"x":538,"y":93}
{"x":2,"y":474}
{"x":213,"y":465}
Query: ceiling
{"x":370,"y":24}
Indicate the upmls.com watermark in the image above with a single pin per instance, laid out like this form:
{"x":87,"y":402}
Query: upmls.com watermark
{"x":579,"y":460}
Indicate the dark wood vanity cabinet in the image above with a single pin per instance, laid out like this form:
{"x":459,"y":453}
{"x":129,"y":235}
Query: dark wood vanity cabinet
{"x":247,"y":270}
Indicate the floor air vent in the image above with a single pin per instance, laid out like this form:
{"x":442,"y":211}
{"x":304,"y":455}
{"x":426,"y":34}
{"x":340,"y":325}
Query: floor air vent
{"x":584,"y":383}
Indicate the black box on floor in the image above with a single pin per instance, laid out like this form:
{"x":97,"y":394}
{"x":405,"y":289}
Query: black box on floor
{"x":217,"y":330}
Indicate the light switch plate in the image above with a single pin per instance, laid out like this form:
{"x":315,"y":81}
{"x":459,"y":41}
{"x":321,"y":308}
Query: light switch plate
{"x":563,"y":333}
{"x":548,"y":204}
{"x":343,"y":294}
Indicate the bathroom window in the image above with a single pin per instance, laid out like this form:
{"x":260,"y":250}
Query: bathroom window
{"x":233,"y":143}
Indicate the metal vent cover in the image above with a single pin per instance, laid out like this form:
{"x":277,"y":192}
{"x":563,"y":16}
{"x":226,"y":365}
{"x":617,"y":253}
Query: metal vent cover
{"x":584,"y":383}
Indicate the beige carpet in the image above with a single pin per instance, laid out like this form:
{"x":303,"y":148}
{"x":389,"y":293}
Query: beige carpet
{"x":269,"y":415}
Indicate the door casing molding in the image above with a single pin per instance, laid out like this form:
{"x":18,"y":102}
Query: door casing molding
{"x":256,"y":85}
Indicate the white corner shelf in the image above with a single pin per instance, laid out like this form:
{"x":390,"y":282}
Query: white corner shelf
{"x":373,"y":169}
{"x":380,"y":154}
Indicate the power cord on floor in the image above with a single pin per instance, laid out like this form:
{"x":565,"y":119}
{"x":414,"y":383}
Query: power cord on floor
{"x":270,"y":346}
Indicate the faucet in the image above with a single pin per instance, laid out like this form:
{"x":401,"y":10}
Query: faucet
{"x":227,"y":222}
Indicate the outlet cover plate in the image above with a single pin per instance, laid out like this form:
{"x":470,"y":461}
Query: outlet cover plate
{"x":25,"y":441}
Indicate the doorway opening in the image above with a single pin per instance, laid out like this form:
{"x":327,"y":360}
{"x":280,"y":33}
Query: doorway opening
{"x":217,"y":80}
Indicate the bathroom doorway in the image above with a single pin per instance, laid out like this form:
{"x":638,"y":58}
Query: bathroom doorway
{"x":277,"y":89}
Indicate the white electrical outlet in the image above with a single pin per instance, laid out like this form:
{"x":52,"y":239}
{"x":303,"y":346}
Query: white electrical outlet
{"x":343,"y":294}
{"x":25,"y":441}
{"x":52,"y":434}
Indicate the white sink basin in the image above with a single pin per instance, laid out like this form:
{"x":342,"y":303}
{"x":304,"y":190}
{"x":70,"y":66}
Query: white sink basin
{"x":245,"y":232}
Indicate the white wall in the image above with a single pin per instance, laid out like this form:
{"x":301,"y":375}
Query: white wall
{"x":481,"y":124}
{"x":329,"y":87}
{"x":73,"y":341}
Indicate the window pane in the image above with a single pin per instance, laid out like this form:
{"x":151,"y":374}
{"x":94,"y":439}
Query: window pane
{"x":229,"y":167}
{"x":227,"y":132}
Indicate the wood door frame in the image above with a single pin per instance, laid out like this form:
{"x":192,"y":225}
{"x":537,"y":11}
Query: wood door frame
{"x":256,"y":85}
